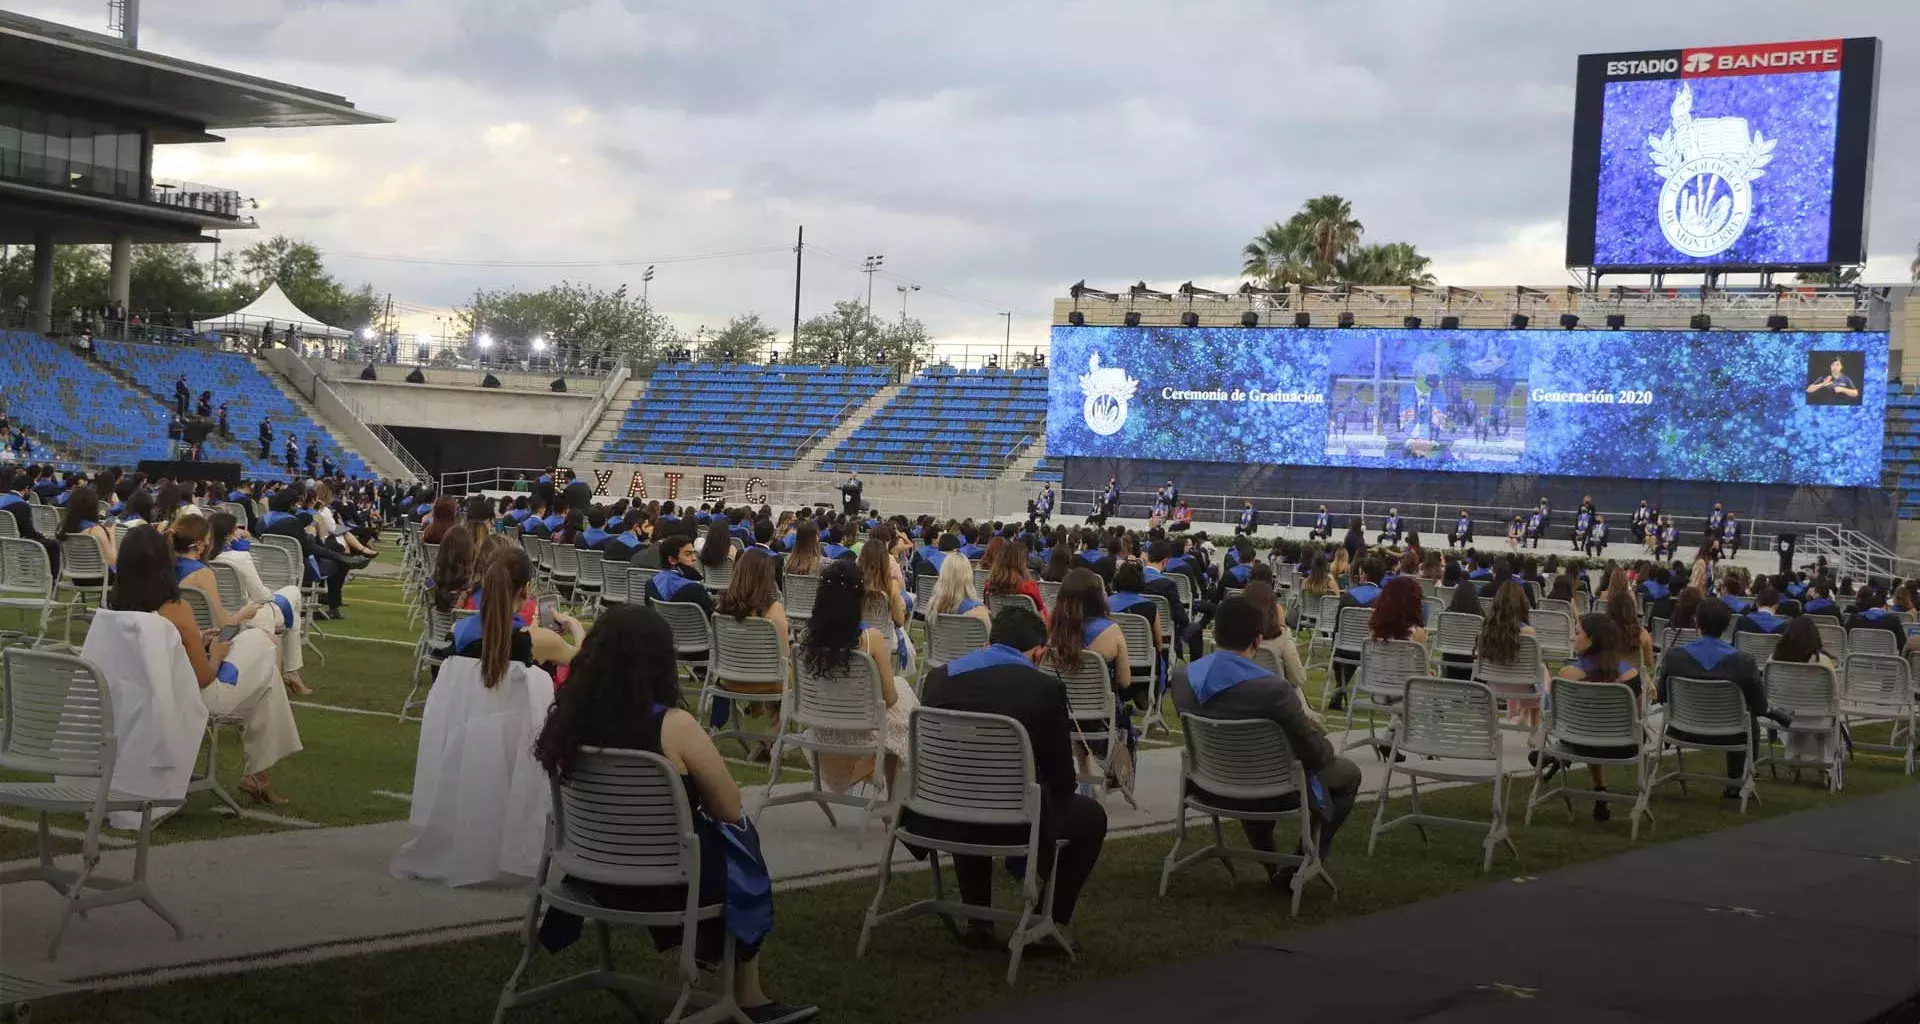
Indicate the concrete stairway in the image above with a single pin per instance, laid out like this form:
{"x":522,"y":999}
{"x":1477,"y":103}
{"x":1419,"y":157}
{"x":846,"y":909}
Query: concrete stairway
{"x":610,"y":420}
{"x":1021,"y":468}
{"x":817,"y":453}
{"x":217,"y":448}
{"x":307,"y":409}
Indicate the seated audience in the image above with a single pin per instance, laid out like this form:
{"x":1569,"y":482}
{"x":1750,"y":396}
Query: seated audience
{"x":752,"y":595}
{"x":1709,"y":657}
{"x":1007,"y":575}
{"x":1228,"y":684}
{"x":625,"y":693}
{"x":953,"y":592}
{"x":279,"y":609}
{"x":679,"y":577}
{"x":497,"y":633}
{"x":1870,"y":612}
{"x":82,"y":516}
{"x":1601,"y":656}
{"x":833,"y":633}
{"x":1274,"y":634}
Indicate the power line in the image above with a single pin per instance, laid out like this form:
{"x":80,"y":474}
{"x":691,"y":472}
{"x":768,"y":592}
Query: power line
{"x":556,"y":264}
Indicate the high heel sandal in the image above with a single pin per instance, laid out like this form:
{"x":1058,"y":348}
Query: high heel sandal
{"x":263,"y":795}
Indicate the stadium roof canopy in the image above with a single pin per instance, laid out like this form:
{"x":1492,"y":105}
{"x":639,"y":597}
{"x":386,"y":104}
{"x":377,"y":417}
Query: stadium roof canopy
{"x":59,"y":59}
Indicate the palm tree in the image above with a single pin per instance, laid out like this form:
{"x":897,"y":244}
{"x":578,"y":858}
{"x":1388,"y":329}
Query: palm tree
{"x":1847,"y":276}
{"x":1395,"y":263}
{"x":1329,"y":224}
{"x":1279,"y":256}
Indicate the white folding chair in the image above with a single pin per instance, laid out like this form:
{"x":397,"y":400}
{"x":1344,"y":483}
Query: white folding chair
{"x":1380,"y":686}
{"x":1554,"y":604}
{"x":565,"y":571}
{"x":1350,"y":636}
{"x":996,"y":603}
{"x":1879,"y":688}
{"x":1591,"y":723}
{"x":692,"y":637}
{"x":615,"y":588}
{"x":1095,"y":723}
{"x":951,"y":636}
{"x":622,"y":819}
{"x":971,"y":769}
{"x":1182,"y":585}
{"x":1813,"y":737}
{"x":1706,"y":714}
{"x":746,"y":652}
{"x":436,"y":635}
{"x":1517,"y":680}
{"x":1868,"y":640}
{"x":27,"y":587}
{"x":849,"y":702}
{"x":1554,"y":632}
{"x":590,"y":578}
{"x":1244,"y":760}
{"x":1758,"y":646}
{"x":1049,"y":592}
{"x":226,"y":584}
{"x":797,"y":593}
{"x":717,"y":577}
{"x":1142,"y":664}
{"x":202,"y":609}
{"x":923,"y":587}
{"x":59,"y":723}
{"x":1453,"y":722}
{"x":1456,"y":633}
{"x":1326,"y":615}
{"x":84,"y":579}
{"x":1833,"y":638}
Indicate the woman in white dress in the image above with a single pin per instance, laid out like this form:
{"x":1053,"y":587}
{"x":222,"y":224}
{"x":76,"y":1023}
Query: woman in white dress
{"x":833,"y":633}
{"x":279,"y":609}
{"x":238,"y":677}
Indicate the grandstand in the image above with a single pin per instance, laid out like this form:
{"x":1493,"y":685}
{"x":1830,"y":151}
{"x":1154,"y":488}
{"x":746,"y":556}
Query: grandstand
{"x":751,"y":417}
{"x":78,"y":407}
{"x":1902,"y":460}
{"x":947,"y":422}
{"x":235,"y":379}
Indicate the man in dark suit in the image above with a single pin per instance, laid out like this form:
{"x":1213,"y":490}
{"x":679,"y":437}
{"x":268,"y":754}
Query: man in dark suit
{"x":322,"y":563}
{"x":1158,"y":582}
{"x":1870,"y":612}
{"x":13,"y":501}
{"x":182,"y":396}
{"x":679,"y":577}
{"x":1000,"y":680}
{"x":1710,"y":657}
{"x":1228,"y":684}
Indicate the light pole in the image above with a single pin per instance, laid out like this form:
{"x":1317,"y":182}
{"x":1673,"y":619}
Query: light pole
{"x":871,"y":266}
{"x":903,"y":289}
{"x":1006,"y":349}
{"x":646,"y":279}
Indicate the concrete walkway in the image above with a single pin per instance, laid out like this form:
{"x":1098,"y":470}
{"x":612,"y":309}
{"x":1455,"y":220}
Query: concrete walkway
{"x":255,"y":901}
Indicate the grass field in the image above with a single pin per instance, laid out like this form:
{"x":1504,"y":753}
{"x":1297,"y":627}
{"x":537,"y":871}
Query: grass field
{"x":913,"y":972}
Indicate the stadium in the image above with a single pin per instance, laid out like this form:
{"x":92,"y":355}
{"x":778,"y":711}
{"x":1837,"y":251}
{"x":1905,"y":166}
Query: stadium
{"x":1538,"y":650}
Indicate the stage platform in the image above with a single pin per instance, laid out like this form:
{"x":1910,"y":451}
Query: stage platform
{"x":1809,"y":917}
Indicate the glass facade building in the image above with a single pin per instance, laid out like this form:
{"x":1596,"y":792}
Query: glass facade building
{"x":44,"y":146}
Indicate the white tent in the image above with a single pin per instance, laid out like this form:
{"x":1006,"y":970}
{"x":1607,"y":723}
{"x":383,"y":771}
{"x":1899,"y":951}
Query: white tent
{"x":272,"y":306}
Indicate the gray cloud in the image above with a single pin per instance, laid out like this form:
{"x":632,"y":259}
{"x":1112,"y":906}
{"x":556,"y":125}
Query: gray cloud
{"x":999,"y":150}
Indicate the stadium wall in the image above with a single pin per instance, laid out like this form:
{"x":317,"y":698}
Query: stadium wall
{"x":469,"y":408}
{"x":338,"y":417}
{"x":908,"y":495}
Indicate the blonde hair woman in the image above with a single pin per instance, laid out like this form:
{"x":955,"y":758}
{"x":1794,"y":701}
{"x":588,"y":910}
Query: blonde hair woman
{"x":954,"y":593}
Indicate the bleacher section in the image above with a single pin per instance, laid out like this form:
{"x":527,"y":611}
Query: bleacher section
{"x":249,"y":393}
{"x":1902,"y":460}
{"x":1050,"y":467}
{"x":750,"y":417}
{"x":964,"y":423}
{"x":77,"y":405}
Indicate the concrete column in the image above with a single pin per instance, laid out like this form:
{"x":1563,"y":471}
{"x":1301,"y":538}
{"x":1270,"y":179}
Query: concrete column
{"x":120,"y":269}
{"x":42,"y":311}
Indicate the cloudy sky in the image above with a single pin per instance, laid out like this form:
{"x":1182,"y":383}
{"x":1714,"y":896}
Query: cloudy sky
{"x":995,"y":152}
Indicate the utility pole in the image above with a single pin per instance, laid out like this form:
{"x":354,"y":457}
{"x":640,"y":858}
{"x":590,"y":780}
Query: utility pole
{"x":799,"y":247}
{"x":1006,"y":349}
{"x":871,"y":266}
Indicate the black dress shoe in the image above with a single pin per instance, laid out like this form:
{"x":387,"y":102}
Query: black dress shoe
{"x":980,"y":935}
{"x":1602,"y":811}
{"x":1782,"y":715}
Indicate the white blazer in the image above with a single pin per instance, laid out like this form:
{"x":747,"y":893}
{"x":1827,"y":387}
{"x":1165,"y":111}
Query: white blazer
{"x":158,"y":716}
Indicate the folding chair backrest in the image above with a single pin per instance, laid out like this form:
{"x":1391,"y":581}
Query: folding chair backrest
{"x":1163,"y":612}
{"x":997,"y":602}
{"x":1758,"y":646}
{"x":1869,"y":640}
{"x":614,"y":578}
{"x":622,"y":819}
{"x":1555,"y":629}
{"x":590,"y":566}
{"x":1183,"y":585}
{"x":288,"y":545}
{"x":1708,"y":707}
{"x":1449,"y":718}
{"x":1089,"y":694}
{"x":429,"y":556}
{"x":1240,"y":759}
{"x":59,"y":716}
{"x":46,"y":519}
{"x":1353,"y":632}
{"x":797,"y":594}
{"x":1554,"y":604}
{"x":850,"y":699}
{"x":1457,"y":632}
{"x":81,"y":557}
{"x":1049,"y":593}
{"x":1833,"y":639}
{"x":275,"y":568}
{"x":747,"y":651}
{"x":980,"y":580}
{"x":226,"y":583}
{"x":1525,"y":670}
{"x":1430,"y":609}
{"x":1386,"y":665}
{"x":718,"y":577}
{"x":1269,"y":659}
{"x":689,"y":625}
{"x":1329,"y":615}
{"x":923,"y":587}
{"x":438,"y":629}
{"x":637,"y":579}
{"x":1808,"y":688}
{"x":1427,"y":587}
{"x":236,"y":510}
{"x":1882,"y":678}
{"x":566,"y":560}
{"x":1593,"y":714}
{"x":201,"y":607}
{"x":9,"y":527}
{"x":971,"y":767}
{"x":950,"y":636}
{"x":24,"y":568}
{"x":1139,"y":636}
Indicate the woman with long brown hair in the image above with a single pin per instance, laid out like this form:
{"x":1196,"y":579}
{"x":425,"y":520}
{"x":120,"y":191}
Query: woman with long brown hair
{"x":1602,"y":656}
{"x":1007,"y":574}
{"x":1274,"y":634}
{"x":804,"y":557}
{"x":497,"y":635}
{"x":1079,"y":623}
{"x":753,"y":594}
{"x":454,"y":570}
{"x":444,"y":516}
{"x":834,"y":631}
{"x":1499,"y":642}
{"x":1620,"y":608}
{"x":881,"y":576}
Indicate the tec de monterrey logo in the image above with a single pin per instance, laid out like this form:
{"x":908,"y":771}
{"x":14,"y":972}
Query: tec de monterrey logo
{"x":1709,"y":164}
{"x":1107,"y":390}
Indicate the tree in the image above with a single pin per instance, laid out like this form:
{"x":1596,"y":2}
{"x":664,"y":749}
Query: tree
{"x":1845,"y":277}
{"x":297,"y":268}
{"x":79,"y":276}
{"x":1915,"y":267}
{"x":852,"y":334}
{"x":580,"y":320}
{"x":1321,"y":245}
{"x":745,"y":339}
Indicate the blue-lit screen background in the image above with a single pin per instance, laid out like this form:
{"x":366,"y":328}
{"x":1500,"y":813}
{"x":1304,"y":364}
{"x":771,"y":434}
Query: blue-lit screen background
{"x":1792,"y":200}
{"x":1724,"y":406}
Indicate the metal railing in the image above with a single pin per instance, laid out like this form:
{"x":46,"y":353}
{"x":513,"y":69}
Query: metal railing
{"x":209,"y":199}
{"x":380,"y":433}
{"x":498,"y":478}
{"x":594,"y":414}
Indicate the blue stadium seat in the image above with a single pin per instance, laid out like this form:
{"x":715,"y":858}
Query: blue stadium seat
{"x":733,"y":416}
{"x":947,"y":422}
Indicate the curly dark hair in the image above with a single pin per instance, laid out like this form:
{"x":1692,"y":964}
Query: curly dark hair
{"x":833,"y":631}
{"x":624,"y":669}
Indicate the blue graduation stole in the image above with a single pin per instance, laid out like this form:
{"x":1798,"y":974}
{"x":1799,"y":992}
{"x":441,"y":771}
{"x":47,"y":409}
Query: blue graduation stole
{"x":273,"y":519}
{"x":185,"y":567}
{"x":1125,"y":599}
{"x":1364,"y":593}
{"x":1220,"y":671}
{"x":628,"y":540}
{"x":1246,"y":517}
{"x":1176,"y":563}
{"x":994,"y":656}
{"x":973,"y":551}
{"x":1092,"y":555}
{"x":1819,"y":606}
{"x":9,"y":499}
{"x":742,"y":534}
{"x":937,"y":559}
{"x":835,"y":550}
{"x":554,"y":522}
{"x":667,"y":585}
{"x":1240,"y":573}
{"x":1709,"y":651}
{"x":592,"y":537}
{"x":519,"y":515}
{"x":1766,"y":620}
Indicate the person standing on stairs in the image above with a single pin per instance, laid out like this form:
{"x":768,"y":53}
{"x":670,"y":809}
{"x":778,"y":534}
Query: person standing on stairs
{"x":266,"y":438}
